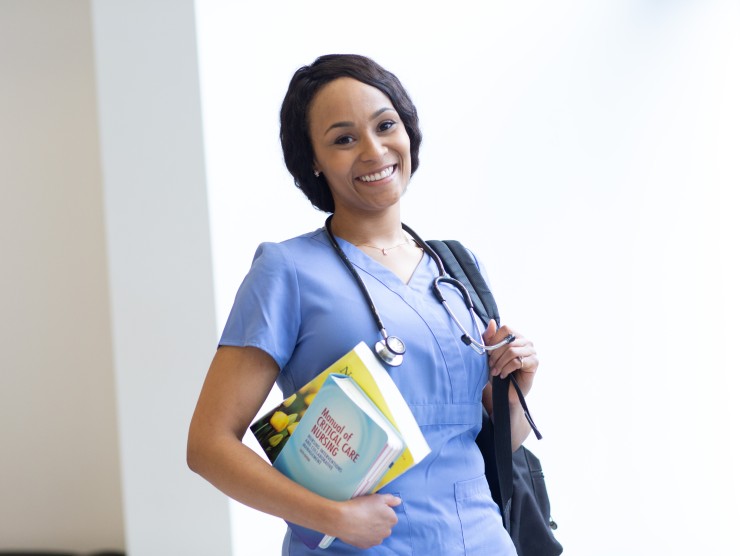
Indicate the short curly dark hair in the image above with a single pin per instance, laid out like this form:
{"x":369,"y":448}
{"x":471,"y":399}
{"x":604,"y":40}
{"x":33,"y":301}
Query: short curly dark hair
{"x":294,"y":133}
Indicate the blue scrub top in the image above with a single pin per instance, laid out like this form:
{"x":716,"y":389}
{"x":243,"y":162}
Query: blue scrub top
{"x":300,"y":304}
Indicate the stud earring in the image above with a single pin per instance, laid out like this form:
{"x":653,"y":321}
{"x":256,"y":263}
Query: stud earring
{"x":316,"y":173}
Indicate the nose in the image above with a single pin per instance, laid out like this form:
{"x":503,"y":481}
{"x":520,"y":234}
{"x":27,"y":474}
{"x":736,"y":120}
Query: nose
{"x":373,"y":148}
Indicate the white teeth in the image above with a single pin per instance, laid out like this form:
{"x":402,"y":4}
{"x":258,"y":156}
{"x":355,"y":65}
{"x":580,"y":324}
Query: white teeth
{"x":378,"y":175}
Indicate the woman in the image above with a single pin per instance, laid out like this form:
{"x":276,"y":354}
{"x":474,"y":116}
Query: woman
{"x":351,"y":138}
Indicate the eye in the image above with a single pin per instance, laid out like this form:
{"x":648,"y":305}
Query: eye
{"x":344,"y":140}
{"x":386,"y":125}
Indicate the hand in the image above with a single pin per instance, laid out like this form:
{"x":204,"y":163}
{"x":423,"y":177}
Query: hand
{"x":518,"y":358}
{"x":367,"y":520}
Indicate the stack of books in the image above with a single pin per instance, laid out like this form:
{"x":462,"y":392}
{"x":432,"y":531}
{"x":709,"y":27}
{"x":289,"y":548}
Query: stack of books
{"x":346,"y":433}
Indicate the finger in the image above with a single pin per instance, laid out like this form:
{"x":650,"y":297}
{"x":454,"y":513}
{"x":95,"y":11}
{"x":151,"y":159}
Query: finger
{"x":391,"y":500}
{"x":506,"y":363}
{"x":507,"y":359}
{"x":511,"y":366}
{"x":494,"y":358}
{"x":490,"y":333}
{"x":500,"y":333}
{"x":526,"y":362}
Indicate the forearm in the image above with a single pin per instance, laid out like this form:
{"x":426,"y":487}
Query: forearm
{"x":235,"y":388}
{"x":520,"y":428}
{"x":241,"y":474}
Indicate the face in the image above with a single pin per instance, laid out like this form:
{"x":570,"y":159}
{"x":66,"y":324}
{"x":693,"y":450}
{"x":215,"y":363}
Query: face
{"x":360,"y":145}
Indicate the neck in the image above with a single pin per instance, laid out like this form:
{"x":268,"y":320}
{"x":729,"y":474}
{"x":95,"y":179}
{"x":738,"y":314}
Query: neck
{"x":382,"y":230}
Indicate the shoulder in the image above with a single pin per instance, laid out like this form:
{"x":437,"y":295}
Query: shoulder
{"x":306,"y":244}
{"x":299,"y":260}
{"x":289,"y":251}
{"x":453,"y":250}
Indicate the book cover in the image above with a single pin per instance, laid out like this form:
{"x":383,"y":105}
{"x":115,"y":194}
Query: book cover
{"x":278,"y":429}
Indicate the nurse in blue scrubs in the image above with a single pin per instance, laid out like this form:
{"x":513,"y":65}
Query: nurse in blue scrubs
{"x":351,"y":137}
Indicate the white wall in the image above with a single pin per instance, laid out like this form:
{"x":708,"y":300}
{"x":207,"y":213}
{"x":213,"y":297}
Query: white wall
{"x":160,"y":268}
{"x":588,"y":152}
{"x":59,"y":469}
{"x":70,"y":319}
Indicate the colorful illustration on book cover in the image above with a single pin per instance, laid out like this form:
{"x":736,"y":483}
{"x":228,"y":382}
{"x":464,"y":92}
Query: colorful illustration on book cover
{"x":274,"y":429}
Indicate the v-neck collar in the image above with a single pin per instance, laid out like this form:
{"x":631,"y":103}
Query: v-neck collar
{"x":365,"y":262}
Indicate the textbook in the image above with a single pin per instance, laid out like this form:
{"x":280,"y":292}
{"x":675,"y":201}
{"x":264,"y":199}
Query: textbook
{"x":346,"y":433}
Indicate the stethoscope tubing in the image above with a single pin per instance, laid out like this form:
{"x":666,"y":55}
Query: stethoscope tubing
{"x":394,"y":355}
{"x":351,"y":268}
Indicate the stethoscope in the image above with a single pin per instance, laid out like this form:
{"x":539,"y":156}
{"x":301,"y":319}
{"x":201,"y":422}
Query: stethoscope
{"x":391,"y":349}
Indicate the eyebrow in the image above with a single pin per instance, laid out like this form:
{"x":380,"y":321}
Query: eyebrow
{"x":350,"y":124}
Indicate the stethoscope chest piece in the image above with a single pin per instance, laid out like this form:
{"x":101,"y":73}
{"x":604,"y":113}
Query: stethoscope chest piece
{"x":390,"y":350}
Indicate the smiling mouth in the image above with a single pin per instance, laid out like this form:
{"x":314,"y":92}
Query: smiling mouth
{"x":377,"y":176}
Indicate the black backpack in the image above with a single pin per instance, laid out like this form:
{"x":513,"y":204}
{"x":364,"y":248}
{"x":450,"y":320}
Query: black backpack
{"x":516,"y":480}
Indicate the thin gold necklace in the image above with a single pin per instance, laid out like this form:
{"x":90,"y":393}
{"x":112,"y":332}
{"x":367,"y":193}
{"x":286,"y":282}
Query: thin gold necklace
{"x":384,"y":250}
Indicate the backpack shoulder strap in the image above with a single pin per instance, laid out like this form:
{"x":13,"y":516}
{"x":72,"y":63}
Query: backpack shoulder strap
{"x":460,"y":265}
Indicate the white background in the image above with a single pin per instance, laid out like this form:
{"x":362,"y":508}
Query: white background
{"x":588,"y":152}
